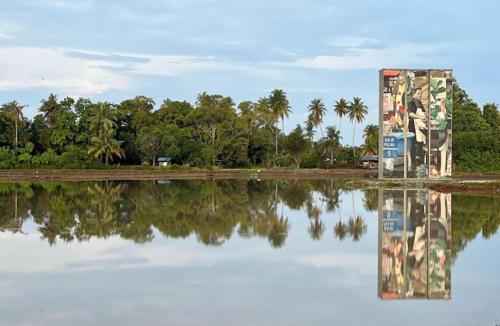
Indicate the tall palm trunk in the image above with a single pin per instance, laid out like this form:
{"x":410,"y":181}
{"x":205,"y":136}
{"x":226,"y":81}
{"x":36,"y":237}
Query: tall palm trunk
{"x":276,"y":136}
{"x":340,"y":126}
{"x":353,"y":149}
{"x":15,"y":141}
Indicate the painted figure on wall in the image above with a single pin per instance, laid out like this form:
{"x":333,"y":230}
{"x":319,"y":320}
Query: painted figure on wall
{"x":415,"y":118}
{"x":418,"y":126}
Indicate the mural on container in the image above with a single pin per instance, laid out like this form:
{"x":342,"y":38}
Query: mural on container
{"x":394,"y":117}
{"x":418,"y":116}
{"x":414,"y":244}
{"x":416,"y":111}
{"x":441,"y":104}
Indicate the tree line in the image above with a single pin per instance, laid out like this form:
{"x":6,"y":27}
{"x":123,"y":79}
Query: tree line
{"x":214,"y":131}
{"x":211,"y":210}
{"x":79,"y":133}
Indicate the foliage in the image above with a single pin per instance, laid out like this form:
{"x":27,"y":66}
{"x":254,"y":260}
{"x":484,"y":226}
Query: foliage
{"x":72,"y":133}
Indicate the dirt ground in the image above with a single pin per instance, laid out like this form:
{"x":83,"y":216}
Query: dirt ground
{"x":461,"y":182}
{"x":123,"y":174}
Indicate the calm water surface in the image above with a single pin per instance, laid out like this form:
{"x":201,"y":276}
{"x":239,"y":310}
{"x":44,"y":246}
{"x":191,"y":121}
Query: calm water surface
{"x":245,"y":253}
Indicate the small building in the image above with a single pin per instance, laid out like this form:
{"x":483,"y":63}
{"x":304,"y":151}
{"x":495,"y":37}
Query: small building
{"x":164,"y":160}
{"x":369,"y":161}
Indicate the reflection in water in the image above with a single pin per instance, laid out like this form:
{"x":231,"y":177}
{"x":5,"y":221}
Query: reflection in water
{"x":169,"y":248}
{"x":211,"y":210}
{"x":414,"y":244}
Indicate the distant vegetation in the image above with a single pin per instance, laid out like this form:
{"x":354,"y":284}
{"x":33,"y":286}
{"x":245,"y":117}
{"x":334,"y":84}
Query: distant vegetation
{"x":71,"y":133}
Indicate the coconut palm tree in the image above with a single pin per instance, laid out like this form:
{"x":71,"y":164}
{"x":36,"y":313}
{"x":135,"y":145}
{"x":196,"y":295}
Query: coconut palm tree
{"x":103,"y":129}
{"x":309,"y":128}
{"x":15,"y":110}
{"x":280,"y":108}
{"x":103,"y":119}
{"x":370,"y":135}
{"x":106,"y":146}
{"x":341,"y":109}
{"x":49,"y":109}
{"x":333,"y":139}
{"x":357,"y":111}
{"x":317,"y":112}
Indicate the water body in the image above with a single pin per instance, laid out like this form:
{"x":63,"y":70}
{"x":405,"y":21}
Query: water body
{"x":178,"y":252}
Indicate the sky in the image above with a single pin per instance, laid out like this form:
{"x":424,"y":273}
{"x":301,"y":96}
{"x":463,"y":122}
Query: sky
{"x":117,"y":49}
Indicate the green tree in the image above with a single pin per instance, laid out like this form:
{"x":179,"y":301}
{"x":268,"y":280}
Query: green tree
{"x":49,"y":109}
{"x":157,"y":140}
{"x":333,"y":140}
{"x":341,"y":108}
{"x":370,"y":136}
{"x":317,"y":111}
{"x":296,"y":144}
{"x":103,"y":130}
{"x":492,"y":117}
{"x":13,"y":112}
{"x":357,"y":111}
{"x":280,"y":107}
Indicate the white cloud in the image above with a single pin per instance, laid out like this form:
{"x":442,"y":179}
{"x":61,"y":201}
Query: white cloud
{"x":350,"y":41}
{"x":362,"y":58}
{"x":363,"y":263}
{"x":170,"y":65}
{"x":83,"y":73}
{"x":72,"y":4}
{"x":31,"y":67}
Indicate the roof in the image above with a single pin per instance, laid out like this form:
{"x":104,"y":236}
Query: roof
{"x":164,"y":159}
{"x":369,"y":158}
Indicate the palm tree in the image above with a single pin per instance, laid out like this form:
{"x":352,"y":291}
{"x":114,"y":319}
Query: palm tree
{"x":309,"y":128}
{"x":49,"y":109}
{"x":103,"y":119}
{"x":370,"y":135}
{"x":16,"y":112}
{"x":280,"y":108}
{"x":357,"y":111}
{"x":106,"y":146}
{"x":333,"y":138}
{"x":103,"y":129}
{"x":341,"y":109}
{"x":317,"y":112}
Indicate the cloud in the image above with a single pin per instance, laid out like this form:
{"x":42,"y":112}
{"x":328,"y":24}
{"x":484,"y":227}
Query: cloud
{"x":83,"y":73}
{"x":363,"y":263}
{"x":370,"y":58}
{"x":350,"y":41}
{"x":32,"y":67}
{"x":72,"y":4}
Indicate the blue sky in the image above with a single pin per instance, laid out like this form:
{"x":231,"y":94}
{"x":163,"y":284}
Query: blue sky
{"x":112,"y":50}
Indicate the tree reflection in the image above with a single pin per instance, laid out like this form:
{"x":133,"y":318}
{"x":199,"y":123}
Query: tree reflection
{"x":210,"y":210}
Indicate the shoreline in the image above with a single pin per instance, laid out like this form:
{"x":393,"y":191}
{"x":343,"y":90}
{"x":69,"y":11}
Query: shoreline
{"x":363,"y":178}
